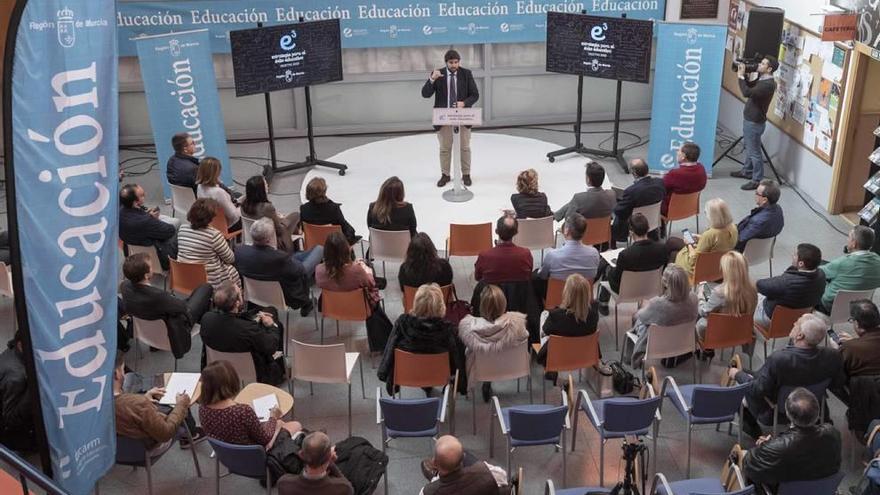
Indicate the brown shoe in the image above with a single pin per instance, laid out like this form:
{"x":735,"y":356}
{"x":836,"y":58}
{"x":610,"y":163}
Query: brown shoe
{"x":466,"y":179}
{"x":444,"y":179}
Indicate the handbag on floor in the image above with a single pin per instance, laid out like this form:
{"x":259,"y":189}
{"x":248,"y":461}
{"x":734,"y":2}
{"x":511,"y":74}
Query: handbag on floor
{"x":379,"y":328}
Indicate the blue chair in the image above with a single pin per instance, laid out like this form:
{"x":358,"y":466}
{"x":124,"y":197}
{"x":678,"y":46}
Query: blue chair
{"x":618,"y":417}
{"x":699,"y":486}
{"x":819,"y":390}
{"x":549,"y":489}
{"x":824,"y":486}
{"x":133,"y":452}
{"x":409,"y":418}
{"x":703,"y":405}
{"x":531,"y":425}
{"x":244,"y":460}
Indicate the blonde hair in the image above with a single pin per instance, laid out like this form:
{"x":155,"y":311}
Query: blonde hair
{"x":527,"y":182}
{"x":740,"y":294}
{"x":577,"y":296}
{"x":493,"y":304}
{"x":209,"y":171}
{"x":428,"y":302}
{"x":718,"y":213}
{"x":676,"y":283}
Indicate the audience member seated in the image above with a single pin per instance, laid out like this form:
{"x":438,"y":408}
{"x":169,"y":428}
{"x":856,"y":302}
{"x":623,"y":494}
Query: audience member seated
{"x":806,"y":451}
{"x":675,"y":305}
{"x":256,"y":205}
{"x":857,"y":269}
{"x":142,"y":300}
{"x":208,"y":180}
{"x":320,"y":475}
{"x":595,"y":202}
{"x":182,"y":167}
{"x":422,"y":265}
{"x":861,"y":365}
{"x":455,"y":472}
{"x":138,"y":416}
{"x":390,"y":211}
{"x":230,"y":328}
{"x":320,"y":210}
{"x":261,"y":261}
{"x":736,"y":295}
{"x":506,"y":262}
{"x":423,"y":331}
{"x":16,"y":409}
{"x":142,"y":226}
{"x":573,"y":257}
{"x":199,"y":242}
{"x":576,"y":316}
{"x":642,"y":255}
{"x":529,"y":202}
{"x":764,"y":221}
{"x":800,"y":286}
{"x":688,"y":177}
{"x":228,"y":421}
{"x":801,"y":363}
{"x":338,"y":272}
{"x":645,"y":190}
{"x":721,"y":236}
{"x":495,"y":330}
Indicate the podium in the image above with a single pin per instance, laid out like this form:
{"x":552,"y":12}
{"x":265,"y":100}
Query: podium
{"x":457,"y":117}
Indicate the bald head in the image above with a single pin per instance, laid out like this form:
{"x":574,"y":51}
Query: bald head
{"x":506,"y":227}
{"x":448,"y":454}
{"x":638,"y":167}
{"x":316,"y":450}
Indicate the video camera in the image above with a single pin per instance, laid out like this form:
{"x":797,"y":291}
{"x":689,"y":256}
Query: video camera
{"x":751,"y":63}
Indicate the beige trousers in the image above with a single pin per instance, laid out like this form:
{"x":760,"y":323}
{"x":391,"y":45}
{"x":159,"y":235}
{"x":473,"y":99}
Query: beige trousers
{"x":445,"y":137}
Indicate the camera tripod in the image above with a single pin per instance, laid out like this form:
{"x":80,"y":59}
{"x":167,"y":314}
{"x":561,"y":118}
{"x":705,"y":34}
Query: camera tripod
{"x":763,"y":149}
{"x":632,"y":451}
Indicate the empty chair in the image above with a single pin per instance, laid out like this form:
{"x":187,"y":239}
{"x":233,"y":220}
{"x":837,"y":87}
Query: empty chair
{"x":535,"y":234}
{"x":349,"y":305}
{"x":725,"y":331}
{"x":758,"y":251}
{"x":154,"y":333}
{"x":569,"y":354}
{"x":244,"y":460}
{"x":243,"y":363}
{"x":668,"y":342}
{"x":409,"y":295}
{"x":840,"y":306}
{"x":531,"y":425}
{"x":681,"y":207}
{"x":388,"y":245}
{"x":651,"y":213}
{"x":182,"y":199}
{"x":468,"y":239}
{"x":823,"y":486}
{"x":780,"y":324}
{"x":326,"y":364}
{"x":186,"y":277}
{"x":598,"y":231}
{"x":316,"y":235}
{"x":550,"y":489}
{"x":617,"y":417}
{"x":409,"y":418}
{"x":133,"y":452}
{"x":820,"y":390}
{"x":634,"y":287}
{"x":707,"y":268}
{"x":704,"y":404}
{"x":509,"y":364}
{"x":701,"y":486}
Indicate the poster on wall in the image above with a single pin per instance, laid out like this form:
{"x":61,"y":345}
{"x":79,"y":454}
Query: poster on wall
{"x":699,"y":9}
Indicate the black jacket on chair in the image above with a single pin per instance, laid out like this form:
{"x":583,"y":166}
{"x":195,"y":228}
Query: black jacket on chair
{"x":641,"y":256}
{"x":326,"y":213}
{"x":151,"y":303}
{"x":422,"y":336}
{"x":138,"y":228}
{"x":228,"y":332}
{"x":863,"y":398}
{"x":643,"y":192}
{"x":466,"y":89}
{"x":797,"y":454}
{"x":268,"y":263}
{"x":792,"y":289}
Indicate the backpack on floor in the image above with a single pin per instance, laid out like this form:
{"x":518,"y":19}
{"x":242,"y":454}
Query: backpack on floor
{"x":623,"y":381}
{"x":361,"y":463}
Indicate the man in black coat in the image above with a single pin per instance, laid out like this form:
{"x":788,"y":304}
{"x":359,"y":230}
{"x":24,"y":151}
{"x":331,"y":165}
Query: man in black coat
{"x":228,"y":328}
{"x":142,"y":300}
{"x":452,"y":87}
{"x":642,"y":255}
{"x":800,"y":286}
{"x":140,"y":226}
{"x":645,"y":190}
{"x":182,"y":166}
{"x":16,"y":416}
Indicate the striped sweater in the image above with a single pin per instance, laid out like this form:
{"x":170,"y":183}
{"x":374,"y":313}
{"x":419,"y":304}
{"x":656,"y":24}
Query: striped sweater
{"x":208,"y":246}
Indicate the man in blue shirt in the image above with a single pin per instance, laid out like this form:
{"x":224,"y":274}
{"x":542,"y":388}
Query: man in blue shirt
{"x":572,"y":257}
{"x":766,"y":220}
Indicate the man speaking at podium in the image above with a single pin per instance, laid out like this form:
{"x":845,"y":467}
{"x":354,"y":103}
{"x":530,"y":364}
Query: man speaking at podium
{"x":452,"y":87}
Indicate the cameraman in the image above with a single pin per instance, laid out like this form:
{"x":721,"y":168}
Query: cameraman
{"x":759,"y":93}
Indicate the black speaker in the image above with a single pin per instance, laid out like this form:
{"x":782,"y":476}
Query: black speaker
{"x":764,"y":32}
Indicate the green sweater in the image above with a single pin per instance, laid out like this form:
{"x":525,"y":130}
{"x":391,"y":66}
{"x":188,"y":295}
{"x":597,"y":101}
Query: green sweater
{"x":855,"y":271}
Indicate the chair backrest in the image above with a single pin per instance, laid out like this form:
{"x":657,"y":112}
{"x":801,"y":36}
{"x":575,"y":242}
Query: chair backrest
{"x":824,"y":486}
{"x":683,"y":206}
{"x":652,"y":214}
{"x":246,"y":224}
{"x":5,"y":280}
{"x":496,"y":366}
{"x":840,"y":306}
{"x":130,"y":451}
{"x":243,"y":363}
{"x":469,"y":239}
{"x":264,"y":293}
{"x":638,"y":286}
{"x":409,"y":295}
{"x":708,"y":267}
{"x":783,"y":320}
{"x":219,"y":221}
{"x":537,"y":425}
{"x":151,"y":253}
{"x":535,"y":233}
{"x":572,"y":353}
{"x":152,"y":332}
{"x":410,"y":415}
{"x":350,"y":305}
{"x":554,"y":293}
{"x":819,"y":389}
{"x":182,"y":199}
{"x":389,"y":245}
{"x":724,"y":330}
{"x":186,"y":277}
{"x":316,"y":235}
{"x":243,"y":460}
{"x":759,"y":250}
{"x":664,"y":342}
{"x":714,"y":401}
{"x":629,"y":416}
{"x":421,"y":370}
{"x":319,"y":363}
{"x":598,"y":231}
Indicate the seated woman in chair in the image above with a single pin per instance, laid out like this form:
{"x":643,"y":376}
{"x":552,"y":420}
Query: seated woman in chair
{"x":256,"y":205}
{"x":529,"y":202}
{"x":320,"y":210}
{"x":422,"y":265}
{"x":736,"y":295}
{"x":339,"y":273}
{"x":199,"y":242}
{"x":390,"y":211}
{"x":576,"y":316}
{"x":721,"y":236}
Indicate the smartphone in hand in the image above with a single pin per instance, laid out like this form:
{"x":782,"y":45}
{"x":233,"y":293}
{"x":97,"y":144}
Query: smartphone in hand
{"x":688,"y":238}
{"x":834,"y":336}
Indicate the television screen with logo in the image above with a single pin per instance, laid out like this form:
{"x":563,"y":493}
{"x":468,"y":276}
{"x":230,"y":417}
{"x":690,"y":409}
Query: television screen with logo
{"x":287,"y":56}
{"x":606,"y":47}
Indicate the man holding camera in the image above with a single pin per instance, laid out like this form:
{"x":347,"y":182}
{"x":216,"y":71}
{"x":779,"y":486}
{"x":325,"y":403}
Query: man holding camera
{"x":759,"y":92}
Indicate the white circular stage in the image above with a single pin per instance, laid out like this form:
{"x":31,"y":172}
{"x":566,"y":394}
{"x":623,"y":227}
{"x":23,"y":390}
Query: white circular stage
{"x":496,"y":161}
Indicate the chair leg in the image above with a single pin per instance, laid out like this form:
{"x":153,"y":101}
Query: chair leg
{"x":192,"y":449}
{"x":616,"y":331}
{"x":694,"y":366}
{"x":349,"y":409}
{"x":337,"y":328}
{"x":529,"y":384}
{"x":286,"y":331}
{"x":322,"y":330}
{"x":150,"y":472}
{"x":654,"y":448}
{"x":601,"y":462}
{"x":688,"y":450}
{"x":564,"y":461}
{"x":509,"y":452}
{"x":363,"y":390}
{"x":311,"y":388}
{"x":544,"y":390}
{"x":217,"y":473}
{"x":268,"y":481}
{"x":474,"y":408}
{"x":492,"y":417}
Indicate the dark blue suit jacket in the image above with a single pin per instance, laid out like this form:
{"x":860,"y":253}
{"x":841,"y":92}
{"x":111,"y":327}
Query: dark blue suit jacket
{"x":643,"y":192}
{"x":268,"y":263}
{"x":761,"y":223}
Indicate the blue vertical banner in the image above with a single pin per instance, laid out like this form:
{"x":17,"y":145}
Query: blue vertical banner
{"x":687,"y":89}
{"x":178,"y":74}
{"x":64,"y":104}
